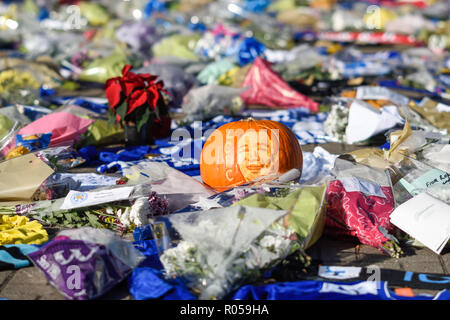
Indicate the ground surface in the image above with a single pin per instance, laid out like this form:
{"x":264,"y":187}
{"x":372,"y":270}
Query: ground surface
{"x":30,"y":284}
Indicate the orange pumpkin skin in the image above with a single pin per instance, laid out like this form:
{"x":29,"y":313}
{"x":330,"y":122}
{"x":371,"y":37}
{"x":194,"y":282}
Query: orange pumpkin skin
{"x":242,"y":151}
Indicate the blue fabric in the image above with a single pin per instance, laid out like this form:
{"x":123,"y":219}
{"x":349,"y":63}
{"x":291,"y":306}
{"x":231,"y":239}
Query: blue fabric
{"x":41,"y":142}
{"x":144,"y":242}
{"x":88,"y":153}
{"x":393,"y":84}
{"x":318,"y":290}
{"x":249,"y":50}
{"x":35,"y":112}
{"x":256,"y":6}
{"x":154,"y":6}
{"x":89,"y":104}
{"x":149,"y":249}
{"x":148,"y":283}
{"x":45,"y":93}
{"x":143,"y":233}
{"x":184,"y":155}
{"x":43,"y":14}
{"x":445,"y":79}
{"x":17,"y":262}
{"x":111,"y":156}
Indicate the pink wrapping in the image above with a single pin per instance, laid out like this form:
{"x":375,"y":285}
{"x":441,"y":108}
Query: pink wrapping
{"x":65,"y":128}
{"x":353,"y":215}
{"x":269,"y":89}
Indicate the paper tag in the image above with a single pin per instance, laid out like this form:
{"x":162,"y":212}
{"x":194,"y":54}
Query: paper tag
{"x":77,"y":199}
{"x":366,"y":187}
{"x":426,"y":219}
{"x":338,"y":272}
{"x":430,"y":178}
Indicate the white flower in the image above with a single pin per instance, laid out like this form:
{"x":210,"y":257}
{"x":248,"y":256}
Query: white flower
{"x":140,"y":211}
{"x":124,"y":217}
{"x":174,"y":259}
{"x":337,"y":122}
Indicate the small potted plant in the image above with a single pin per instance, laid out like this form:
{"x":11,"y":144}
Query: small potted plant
{"x":139,"y":103}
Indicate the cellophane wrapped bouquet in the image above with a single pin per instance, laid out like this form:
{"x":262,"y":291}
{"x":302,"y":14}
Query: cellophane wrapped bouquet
{"x":215,"y":251}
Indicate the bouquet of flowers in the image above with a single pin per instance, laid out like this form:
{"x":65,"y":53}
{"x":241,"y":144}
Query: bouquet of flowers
{"x":219,"y":249}
{"x":120,"y":216}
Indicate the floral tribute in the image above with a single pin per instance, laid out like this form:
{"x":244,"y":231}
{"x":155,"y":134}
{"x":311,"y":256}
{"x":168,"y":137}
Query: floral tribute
{"x":139,"y":99}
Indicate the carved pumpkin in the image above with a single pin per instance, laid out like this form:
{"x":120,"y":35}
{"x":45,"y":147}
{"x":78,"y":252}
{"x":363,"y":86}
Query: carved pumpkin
{"x":243,"y":151}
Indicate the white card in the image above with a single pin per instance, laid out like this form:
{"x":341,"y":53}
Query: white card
{"x":426,"y":219}
{"x":366,"y":187}
{"x":78,"y":199}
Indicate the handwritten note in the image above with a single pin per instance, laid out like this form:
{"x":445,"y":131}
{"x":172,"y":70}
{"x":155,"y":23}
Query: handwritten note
{"x":430,"y":178}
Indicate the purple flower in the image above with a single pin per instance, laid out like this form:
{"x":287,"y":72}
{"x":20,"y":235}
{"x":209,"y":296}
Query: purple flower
{"x":158,"y":206}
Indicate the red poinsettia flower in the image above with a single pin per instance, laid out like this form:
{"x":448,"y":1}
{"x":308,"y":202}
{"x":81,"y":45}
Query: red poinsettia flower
{"x":136,"y":91}
{"x":136,"y":99}
{"x":113,"y":91}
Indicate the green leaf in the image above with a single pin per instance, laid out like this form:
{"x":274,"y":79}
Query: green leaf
{"x":141,"y":121}
{"x":93,"y":220}
{"x":122,"y":110}
{"x":112,"y":120}
{"x":68,"y":217}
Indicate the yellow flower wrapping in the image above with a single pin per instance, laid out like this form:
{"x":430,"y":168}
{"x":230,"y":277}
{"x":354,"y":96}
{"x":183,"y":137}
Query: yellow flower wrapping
{"x":20,"y":230}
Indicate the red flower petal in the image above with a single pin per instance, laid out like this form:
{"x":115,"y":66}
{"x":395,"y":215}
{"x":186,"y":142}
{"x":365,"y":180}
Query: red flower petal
{"x":126,"y":69}
{"x":160,"y":86}
{"x":113,"y":91}
{"x":147,"y":77}
{"x":132,"y":84}
{"x":137,"y":99}
{"x":153,"y":96}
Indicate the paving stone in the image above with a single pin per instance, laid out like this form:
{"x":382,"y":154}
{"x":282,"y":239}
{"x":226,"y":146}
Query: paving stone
{"x":30,"y":284}
{"x":4,"y":277}
{"x":332,"y":147}
{"x":445,"y":259}
{"x":119,"y":292}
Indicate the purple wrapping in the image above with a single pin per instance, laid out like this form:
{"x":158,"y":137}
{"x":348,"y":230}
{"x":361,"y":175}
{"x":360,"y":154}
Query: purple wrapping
{"x":79,"y":270}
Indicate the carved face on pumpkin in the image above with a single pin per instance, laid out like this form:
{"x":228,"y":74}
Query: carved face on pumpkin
{"x":245,"y":150}
{"x":257,"y":154}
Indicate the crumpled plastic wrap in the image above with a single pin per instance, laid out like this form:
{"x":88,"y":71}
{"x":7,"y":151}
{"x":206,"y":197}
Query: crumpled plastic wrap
{"x":219,"y":249}
{"x":211,"y":100}
{"x":359,"y":202}
{"x":104,"y":68}
{"x":278,"y":94}
{"x":416,"y":177}
{"x":66,"y":128}
{"x":307,"y":208}
{"x":176,"y":80}
{"x":85,"y":263}
{"x":140,"y":36}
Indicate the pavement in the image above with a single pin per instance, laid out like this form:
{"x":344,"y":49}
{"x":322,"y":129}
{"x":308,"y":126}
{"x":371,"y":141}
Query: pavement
{"x":30,"y":284}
